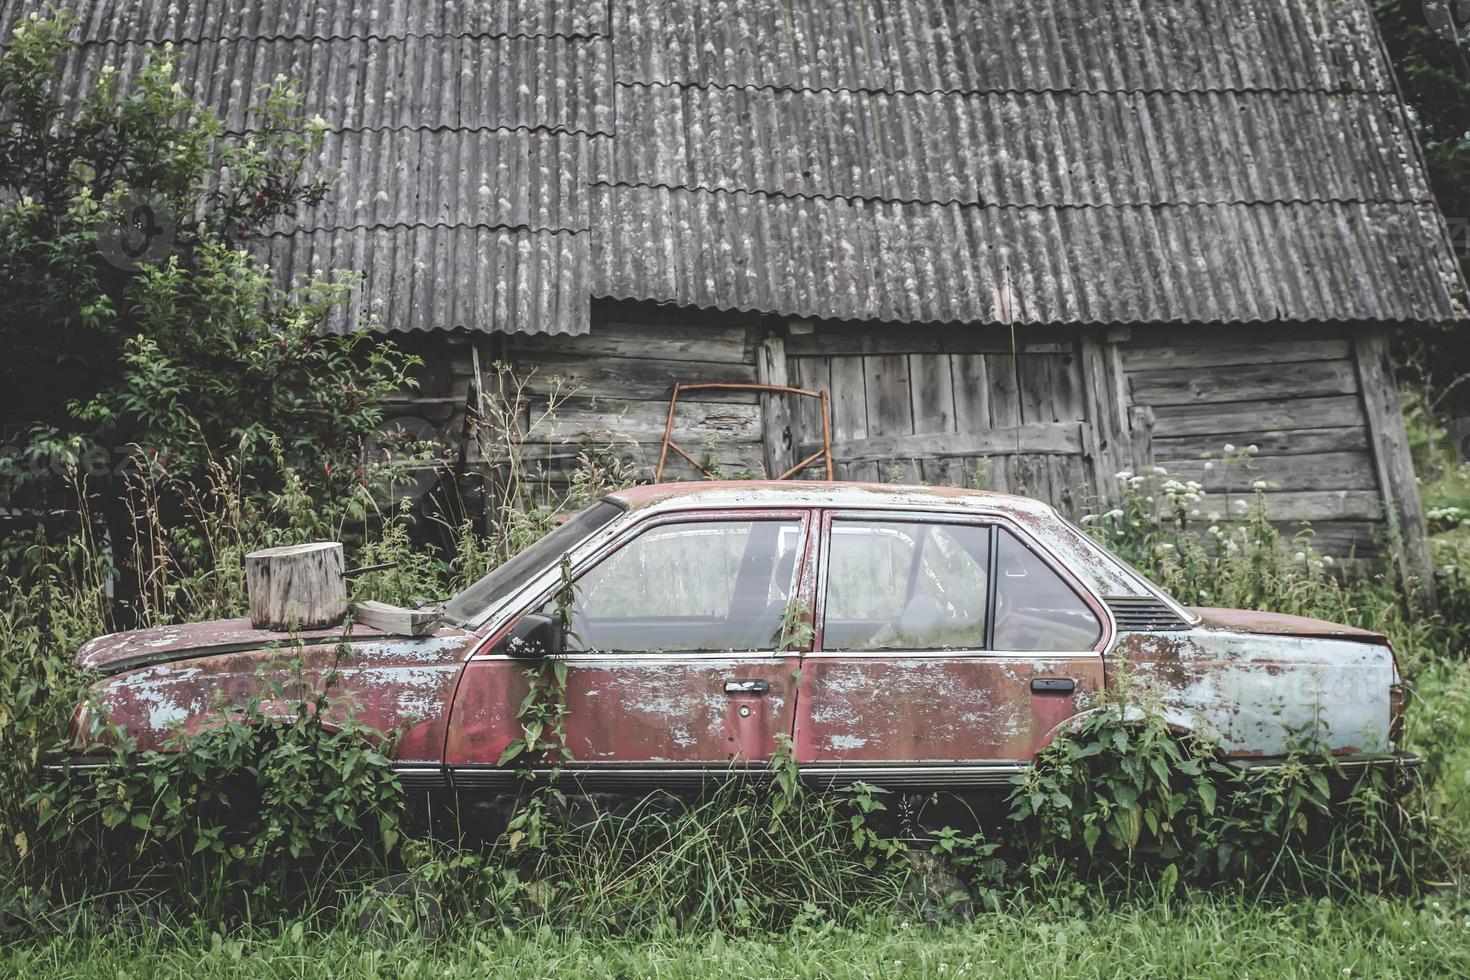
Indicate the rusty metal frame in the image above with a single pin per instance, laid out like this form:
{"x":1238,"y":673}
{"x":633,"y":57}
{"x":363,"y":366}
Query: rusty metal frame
{"x":825,"y":453}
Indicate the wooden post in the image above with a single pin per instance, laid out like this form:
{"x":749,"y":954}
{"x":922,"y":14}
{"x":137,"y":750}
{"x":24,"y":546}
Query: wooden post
{"x":1141,"y":442}
{"x":1109,"y":446}
{"x":776,"y":422}
{"x":1394,"y":465}
{"x":299,"y":586}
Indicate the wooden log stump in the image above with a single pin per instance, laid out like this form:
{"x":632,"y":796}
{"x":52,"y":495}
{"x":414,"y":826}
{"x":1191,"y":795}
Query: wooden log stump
{"x":299,"y":586}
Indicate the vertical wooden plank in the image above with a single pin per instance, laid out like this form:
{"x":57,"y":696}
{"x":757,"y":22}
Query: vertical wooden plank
{"x":1395,"y":467}
{"x":1099,"y":395}
{"x":989,"y":473}
{"x":850,"y":411}
{"x":946,"y":472}
{"x":776,"y":420}
{"x":1068,"y":403}
{"x":1141,"y":427}
{"x":971,"y":410}
{"x":849,"y":400}
{"x":932,"y":388}
{"x":1035,"y":376}
{"x":890,"y":411}
{"x":971,"y":392}
{"x":1005,"y":409}
{"x":813,"y":374}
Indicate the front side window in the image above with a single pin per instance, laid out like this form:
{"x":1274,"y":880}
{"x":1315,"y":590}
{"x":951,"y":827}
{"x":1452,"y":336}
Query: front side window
{"x":697,"y":586}
{"x":906,"y":586}
{"x":1035,"y":609}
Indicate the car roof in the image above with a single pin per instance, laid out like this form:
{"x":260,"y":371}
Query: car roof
{"x":793,"y":493}
{"x":1094,"y":565}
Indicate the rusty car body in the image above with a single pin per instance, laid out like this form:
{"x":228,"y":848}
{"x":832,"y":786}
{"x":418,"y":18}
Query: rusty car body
{"x":910,"y":637}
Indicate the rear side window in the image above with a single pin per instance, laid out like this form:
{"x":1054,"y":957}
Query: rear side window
{"x":1035,"y":609}
{"x":906,"y":586}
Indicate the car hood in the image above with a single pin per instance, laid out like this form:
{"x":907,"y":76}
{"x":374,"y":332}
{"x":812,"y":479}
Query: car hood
{"x":118,"y":652}
{"x":1280,"y":624}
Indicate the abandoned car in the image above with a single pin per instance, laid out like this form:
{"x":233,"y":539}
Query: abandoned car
{"x":910,"y":637}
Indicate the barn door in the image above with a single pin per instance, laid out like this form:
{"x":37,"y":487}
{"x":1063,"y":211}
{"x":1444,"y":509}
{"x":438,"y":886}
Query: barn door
{"x":949,"y":407}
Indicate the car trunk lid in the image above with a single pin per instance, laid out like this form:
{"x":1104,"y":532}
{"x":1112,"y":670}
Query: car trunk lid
{"x":1281,"y":624}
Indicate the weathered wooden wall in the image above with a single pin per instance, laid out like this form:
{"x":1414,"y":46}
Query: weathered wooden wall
{"x":611,"y":390}
{"x":1297,"y":401}
{"x":947,"y":405}
{"x":1054,"y":414}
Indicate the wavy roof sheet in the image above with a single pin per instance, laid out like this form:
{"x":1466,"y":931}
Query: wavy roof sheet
{"x":1107,"y":161}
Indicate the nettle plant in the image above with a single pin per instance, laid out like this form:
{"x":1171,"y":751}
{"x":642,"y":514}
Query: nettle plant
{"x":282,"y":794}
{"x":1126,"y":793}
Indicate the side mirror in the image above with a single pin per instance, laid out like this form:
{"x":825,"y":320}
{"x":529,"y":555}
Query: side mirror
{"x":535,"y":635}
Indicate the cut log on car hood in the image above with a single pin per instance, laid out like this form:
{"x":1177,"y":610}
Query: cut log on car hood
{"x":1280,"y":624}
{"x":117,"y":652}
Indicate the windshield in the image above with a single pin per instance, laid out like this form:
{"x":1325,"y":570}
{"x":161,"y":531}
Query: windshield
{"x":474,"y":603}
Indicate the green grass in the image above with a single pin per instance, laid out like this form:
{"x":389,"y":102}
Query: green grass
{"x":1212,"y":938}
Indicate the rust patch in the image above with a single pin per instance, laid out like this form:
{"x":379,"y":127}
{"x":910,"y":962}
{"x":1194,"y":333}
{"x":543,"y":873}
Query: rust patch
{"x":1280,"y":624}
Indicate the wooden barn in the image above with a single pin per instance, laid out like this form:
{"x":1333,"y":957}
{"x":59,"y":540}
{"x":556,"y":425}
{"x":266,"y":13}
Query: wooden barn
{"x":1020,"y":245}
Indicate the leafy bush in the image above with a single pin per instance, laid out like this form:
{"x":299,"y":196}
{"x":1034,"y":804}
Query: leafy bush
{"x":1121,"y":794}
{"x":146,"y":377}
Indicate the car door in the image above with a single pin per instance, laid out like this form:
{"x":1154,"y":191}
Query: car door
{"x":947,"y":650}
{"x":676,"y":666}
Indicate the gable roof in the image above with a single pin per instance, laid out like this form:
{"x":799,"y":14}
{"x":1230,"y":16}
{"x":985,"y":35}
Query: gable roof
{"x":1103,"y":161}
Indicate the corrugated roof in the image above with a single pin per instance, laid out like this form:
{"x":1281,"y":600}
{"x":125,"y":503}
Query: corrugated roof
{"x":458,"y":83}
{"x":895,"y":261}
{"x":502,"y":161}
{"x":196,"y":20}
{"x":448,"y":276}
{"x":1003,"y":148}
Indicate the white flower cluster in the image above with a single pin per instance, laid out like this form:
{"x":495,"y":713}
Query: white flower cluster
{"x":1183,"y":495}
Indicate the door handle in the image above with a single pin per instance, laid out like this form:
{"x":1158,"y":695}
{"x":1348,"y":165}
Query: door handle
{"x":1053,"y":685}
{"x":747,"y":687}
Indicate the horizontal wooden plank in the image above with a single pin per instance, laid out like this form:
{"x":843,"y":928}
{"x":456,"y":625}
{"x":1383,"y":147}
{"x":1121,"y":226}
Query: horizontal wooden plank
{"x":1040,"y":439}
{"x":1340,"y":539}
{"x":922,"y":340}
{"x":1334,"y":411}
{"x":1302,"y":379}
{"x":1309,"y":505}
{"x":1316,"y":471}
{"x":1280,"y":442}
{"x":1358,"y":539}
{"x":695,"y":423}
{"x":1137,"y":336}
{"x":559,"y":460}
{"x":627,"y":377}
{"x":1170,"y":356}
{"x":675,"y":342}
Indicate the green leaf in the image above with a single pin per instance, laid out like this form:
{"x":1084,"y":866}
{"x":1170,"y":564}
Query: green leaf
{"x":1206,"y":790}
